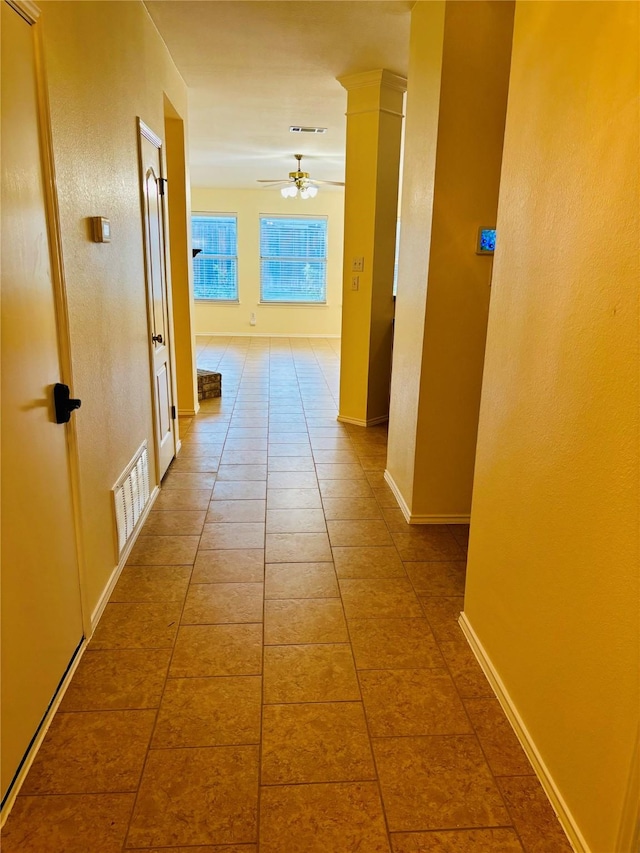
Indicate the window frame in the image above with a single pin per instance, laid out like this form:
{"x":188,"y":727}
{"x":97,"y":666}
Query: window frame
{"x":213,"y":214}
{"x":324,"y":260}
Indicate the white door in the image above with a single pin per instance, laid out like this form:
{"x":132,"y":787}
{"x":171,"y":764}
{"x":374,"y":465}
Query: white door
{"x":41,"y":609}
{"x":157,"y":291}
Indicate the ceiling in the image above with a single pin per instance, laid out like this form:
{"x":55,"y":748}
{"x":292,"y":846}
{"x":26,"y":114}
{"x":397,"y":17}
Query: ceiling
{"x":256,"y":67}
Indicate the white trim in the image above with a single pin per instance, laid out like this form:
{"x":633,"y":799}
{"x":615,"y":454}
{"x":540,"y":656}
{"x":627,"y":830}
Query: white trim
{"x":376,"y":110}
{"x":26,"y":9}
{"x":380,"y":77}
{"x":543,"y":773}
{"x":413,"y":518}
{"x":382,"y":419}
{"x":145,"y":130}
{"x":440,"y":519}
{"x":629,"y":832}
{"x":398,"y":495}
{"x":115,"y":574}
{"x":261,"y":335}
{"x":205,"y":300}
{"x":44,"y":728}
{"x":186,"y":413}
{"x":292,"y":304}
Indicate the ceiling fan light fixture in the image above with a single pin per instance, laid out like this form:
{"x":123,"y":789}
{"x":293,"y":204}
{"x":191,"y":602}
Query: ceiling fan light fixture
{"x":312,"y":192}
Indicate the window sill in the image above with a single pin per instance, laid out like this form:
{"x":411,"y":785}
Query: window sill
{"x":294,"y":304}
{"x":205,"y":301}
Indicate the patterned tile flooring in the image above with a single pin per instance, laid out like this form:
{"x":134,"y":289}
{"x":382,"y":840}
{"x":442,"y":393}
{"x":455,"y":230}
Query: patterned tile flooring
{"x":280,"y":668}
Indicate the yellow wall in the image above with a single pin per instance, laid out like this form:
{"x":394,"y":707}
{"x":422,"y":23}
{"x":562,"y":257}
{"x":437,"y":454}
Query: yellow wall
{"x":320,"y":320}
{"x":179,"y":210}
{"x":106,"y":65}
{"x":456,"y":105}
{"x":374,"y":133}
{"x":552,"y":585}
{"x":420,"y":147}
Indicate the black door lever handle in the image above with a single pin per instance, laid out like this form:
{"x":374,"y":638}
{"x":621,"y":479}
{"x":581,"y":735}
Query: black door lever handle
{"x":64,"y":404}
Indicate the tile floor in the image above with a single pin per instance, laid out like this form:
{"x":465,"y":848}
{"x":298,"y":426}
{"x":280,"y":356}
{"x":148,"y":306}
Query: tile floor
{"x":280,"y":668}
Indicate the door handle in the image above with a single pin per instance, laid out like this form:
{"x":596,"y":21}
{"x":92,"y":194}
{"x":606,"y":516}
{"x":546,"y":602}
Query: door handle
{"x":64,"y":403}
{"x":157,"y":339}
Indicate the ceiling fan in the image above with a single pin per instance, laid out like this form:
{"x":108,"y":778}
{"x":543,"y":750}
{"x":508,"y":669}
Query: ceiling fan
{"x":299,"y":182}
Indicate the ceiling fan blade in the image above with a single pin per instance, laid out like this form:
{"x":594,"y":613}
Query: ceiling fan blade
{"x":331,"y":183}
{"x":272,"y":181}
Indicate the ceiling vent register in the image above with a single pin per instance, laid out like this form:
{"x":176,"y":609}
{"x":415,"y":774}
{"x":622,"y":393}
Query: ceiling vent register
{"x":300,"y":129}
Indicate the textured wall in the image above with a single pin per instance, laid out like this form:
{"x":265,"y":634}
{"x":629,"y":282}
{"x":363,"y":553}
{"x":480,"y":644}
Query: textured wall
{"x":456,"y":106}
{"x":552,"y":586}
{"x":106,"y":65}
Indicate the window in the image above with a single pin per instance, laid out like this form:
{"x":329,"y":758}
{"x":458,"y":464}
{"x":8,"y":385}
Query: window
{"x":293,"y":259}
{"x":215,"y":267}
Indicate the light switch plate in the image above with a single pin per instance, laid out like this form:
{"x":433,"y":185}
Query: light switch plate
{"x":101,"y":229}
{"x":357,"y":265}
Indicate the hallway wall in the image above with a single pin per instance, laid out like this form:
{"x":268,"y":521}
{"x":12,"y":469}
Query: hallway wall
{"x":456,"y":105}
{"x":552,"y":582}
{"x":106,"y":64}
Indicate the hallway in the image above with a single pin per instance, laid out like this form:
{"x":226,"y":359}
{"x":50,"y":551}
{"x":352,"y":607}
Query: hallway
{"x":280,"y":667}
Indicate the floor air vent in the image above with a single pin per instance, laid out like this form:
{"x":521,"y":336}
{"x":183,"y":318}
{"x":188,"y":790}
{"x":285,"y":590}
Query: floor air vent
{"x":130,"y":495}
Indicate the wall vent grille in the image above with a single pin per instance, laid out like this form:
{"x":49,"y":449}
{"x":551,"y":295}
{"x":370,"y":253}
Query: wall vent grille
{"x":130,"y":495}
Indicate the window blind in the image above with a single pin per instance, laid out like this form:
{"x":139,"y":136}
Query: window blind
{"x":215,"y":268}
{"x":293,"y":259}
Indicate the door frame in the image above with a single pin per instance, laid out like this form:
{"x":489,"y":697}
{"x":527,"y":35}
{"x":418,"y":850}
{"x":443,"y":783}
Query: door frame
{"x":144,"y":131}
{"x":30,"y":12}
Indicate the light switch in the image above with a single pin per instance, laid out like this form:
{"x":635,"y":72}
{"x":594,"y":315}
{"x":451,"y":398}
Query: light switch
{"x":355,"y":282}
{"x":357,"y":265}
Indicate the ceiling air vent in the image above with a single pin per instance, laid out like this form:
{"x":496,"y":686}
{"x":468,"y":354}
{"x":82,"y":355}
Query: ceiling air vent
{"x":298,"y":129}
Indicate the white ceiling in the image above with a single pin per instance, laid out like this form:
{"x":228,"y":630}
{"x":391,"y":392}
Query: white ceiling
{"x":256,"y":67}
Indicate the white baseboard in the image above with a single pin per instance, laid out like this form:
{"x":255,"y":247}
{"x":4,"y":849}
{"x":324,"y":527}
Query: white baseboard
{"x":629,"y":833}
{"x":558,"y":804}
{"x":261,"y":335}
{"x":115,"y":574}
{"x":364,"y":423}
{"x":44,"y":728}
{"x":398,"y":495}
{"x":440,"y":519}
{"x":413,"y":518}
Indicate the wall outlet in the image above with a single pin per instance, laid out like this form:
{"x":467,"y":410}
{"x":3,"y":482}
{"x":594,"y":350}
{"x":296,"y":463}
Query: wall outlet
{"x":357,"y":265}
{"x":252,"y":319}
{"x":355,"y":282}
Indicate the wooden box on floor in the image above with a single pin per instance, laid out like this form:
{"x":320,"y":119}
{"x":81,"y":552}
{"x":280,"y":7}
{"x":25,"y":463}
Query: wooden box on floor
{"x":209,"y":384}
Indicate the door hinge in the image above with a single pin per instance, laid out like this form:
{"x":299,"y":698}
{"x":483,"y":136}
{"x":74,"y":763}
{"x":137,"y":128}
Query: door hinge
{"x":173,"y":413}
{"x":162,"y":185}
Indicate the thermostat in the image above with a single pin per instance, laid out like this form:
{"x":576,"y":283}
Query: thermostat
{"x":101,"y":229}
{"x":486,"y":241}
